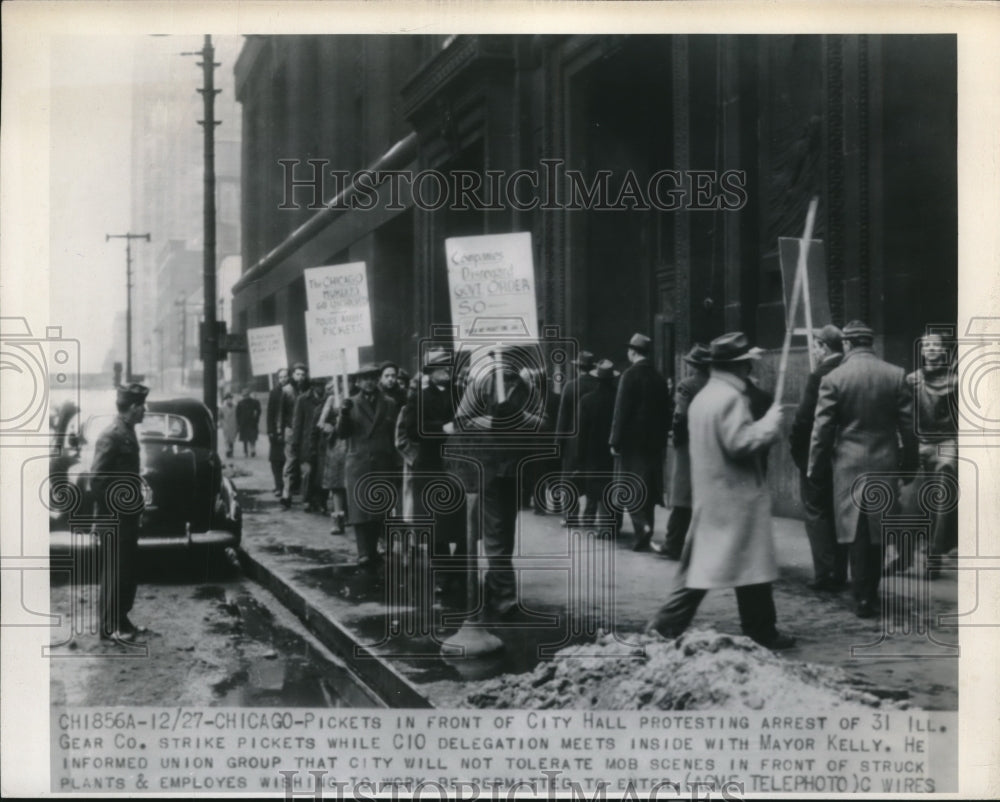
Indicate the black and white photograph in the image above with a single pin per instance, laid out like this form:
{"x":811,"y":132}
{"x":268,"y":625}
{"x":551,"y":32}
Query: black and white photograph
{"x":497,"y":403}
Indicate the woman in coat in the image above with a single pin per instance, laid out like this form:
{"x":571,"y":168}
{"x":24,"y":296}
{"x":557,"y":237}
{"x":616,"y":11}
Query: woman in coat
{"x":333,"y":464}
{"x":730,"y":543}
{"x":367,"y":424}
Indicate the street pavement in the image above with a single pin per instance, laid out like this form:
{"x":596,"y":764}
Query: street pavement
{"x":390,"y":631}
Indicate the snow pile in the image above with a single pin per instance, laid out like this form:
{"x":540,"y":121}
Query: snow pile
{"x":702,"y":669}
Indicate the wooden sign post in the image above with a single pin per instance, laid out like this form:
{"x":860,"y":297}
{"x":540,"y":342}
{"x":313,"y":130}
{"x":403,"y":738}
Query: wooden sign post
{"x":799,"y":288}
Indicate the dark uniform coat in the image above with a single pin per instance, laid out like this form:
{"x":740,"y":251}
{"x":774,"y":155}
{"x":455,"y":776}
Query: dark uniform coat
{"x":596,"y":409}
{"x":368,"y":429}
{"x":864,"y":413}
{"x":801,"y":433}
{"x":640,"y":425}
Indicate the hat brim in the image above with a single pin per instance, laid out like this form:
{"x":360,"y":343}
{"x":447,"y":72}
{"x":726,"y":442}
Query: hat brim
{"x":692,"y":361}
{"x":753,"y":353}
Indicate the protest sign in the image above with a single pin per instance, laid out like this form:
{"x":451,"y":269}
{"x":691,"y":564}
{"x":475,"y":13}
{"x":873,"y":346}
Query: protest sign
{"x":491,"y":283}
{"x":340,"y":294}
{"x":327,"y":357}
{"x":267,"y":349}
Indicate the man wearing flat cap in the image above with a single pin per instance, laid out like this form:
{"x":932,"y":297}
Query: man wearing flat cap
{"x":680,"y":479}
{"x":730,"y":543}
{"x":367,"y":423}
{"x":863,"y":424}
{"x":568,"y":417}
{"x":829,"y":556}
{"x":116,"y":474}
{"x":639,"y":431}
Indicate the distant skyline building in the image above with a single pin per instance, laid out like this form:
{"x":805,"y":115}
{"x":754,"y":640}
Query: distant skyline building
{"x":167,"y":199}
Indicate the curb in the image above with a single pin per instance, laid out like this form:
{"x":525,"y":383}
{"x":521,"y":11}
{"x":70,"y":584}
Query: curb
{"x":388,"y":684}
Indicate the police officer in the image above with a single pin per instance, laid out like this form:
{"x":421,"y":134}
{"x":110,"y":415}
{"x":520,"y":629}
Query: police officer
{"x":117,"y":494}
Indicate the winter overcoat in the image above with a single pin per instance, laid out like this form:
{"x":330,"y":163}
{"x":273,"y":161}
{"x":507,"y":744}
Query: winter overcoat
{"x":863,"y":424}
{"x":730,"y":542}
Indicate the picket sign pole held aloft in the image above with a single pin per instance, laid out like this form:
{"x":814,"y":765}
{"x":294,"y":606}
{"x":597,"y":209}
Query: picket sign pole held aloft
{"x":337,"y":379}
{"x":501,"y":390}
{"x":797,"y":290}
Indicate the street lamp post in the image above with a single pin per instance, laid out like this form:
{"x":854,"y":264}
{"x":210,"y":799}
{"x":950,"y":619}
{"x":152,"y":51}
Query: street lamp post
{"x":128,"y":295}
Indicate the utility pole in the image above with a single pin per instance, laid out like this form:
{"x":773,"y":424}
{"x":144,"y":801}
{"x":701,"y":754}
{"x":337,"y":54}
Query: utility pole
{"x":128,"y":296}
{"x":210,"y":335}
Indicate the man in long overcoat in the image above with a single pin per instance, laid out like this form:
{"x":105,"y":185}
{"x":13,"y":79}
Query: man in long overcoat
{"x":247,"y":419}
{"x":428,"y":412}
{"x":367,"y":423}
{"x":593,"y":458}
{"x":639,"y":431}
{"x":275,"y":434}
{"x":568,"y":418}
{"x":286,"y":411}
{"x":680,"y":478}
{"x":730,"y":543}
{"x":863,"y":424}
{"x":829,"y":556}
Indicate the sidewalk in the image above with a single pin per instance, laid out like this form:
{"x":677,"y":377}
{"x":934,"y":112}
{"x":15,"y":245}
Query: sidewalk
{"x":393,"y":648}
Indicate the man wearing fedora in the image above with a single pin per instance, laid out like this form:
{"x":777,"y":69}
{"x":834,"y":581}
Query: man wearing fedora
{"x":639,"y":430}
{"x":829,"y":556}
{"x":116,"y":459}
{"x":680,"y":479}
{"x":367,"y":423}
{"x":426,"y":415}
{"x":730,"y":543}
{"x":863,"y":424}
{"x":591,"y":455}
{"x":568,"y":417}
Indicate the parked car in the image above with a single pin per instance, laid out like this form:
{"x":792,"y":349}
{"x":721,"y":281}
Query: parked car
{"x":188,"y":502}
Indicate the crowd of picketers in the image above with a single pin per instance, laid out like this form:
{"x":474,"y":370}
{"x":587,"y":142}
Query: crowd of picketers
{"x":858,"y":416}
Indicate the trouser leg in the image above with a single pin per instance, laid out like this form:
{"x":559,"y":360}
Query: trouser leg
{"x":866,"y":564}
{"x":829,"y":561}
{"x":290,"y":469}
{"x":757,"y":613}
{"x":277,"y":473}
{"x":677,"y":527}
{"x":944,"y":516}
{"x":676,"y":614}
{"x":366,"y":537}
{"x":119,"y":553}
{"x":499,"y":522}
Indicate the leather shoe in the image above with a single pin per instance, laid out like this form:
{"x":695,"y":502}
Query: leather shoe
{"x":121,"y":636}
{"x":777,"y":641}
{"x":286,"y":503}
{"x":128,"y":626}
{"x":662,"y":551}
{"x":865,"y":609}
{"x":642,"y":543}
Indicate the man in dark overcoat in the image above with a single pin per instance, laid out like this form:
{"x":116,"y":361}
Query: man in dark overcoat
{"x":680,"y":477}
{"x":639,"y":433}
{"x":367,"y":423}
{"x":428,"y":413}
{"x":568,"y":418}
{"x":247,"y":419}
{"x":829,"y":556}
{"x":593,"y":458}
{"x":286,"y":413}
{"x":305,"y":442}
{"x":863,"y":425}
{"x":275,"y":434}
{"x":115,"y":478}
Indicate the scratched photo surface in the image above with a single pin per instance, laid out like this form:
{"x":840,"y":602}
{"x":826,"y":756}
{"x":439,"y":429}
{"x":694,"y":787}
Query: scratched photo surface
{"x":492,"y":413}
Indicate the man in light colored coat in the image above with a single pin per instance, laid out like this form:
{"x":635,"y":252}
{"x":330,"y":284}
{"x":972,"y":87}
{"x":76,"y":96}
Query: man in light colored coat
{"x":730,"y":543}
{"x":863,"y":425}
